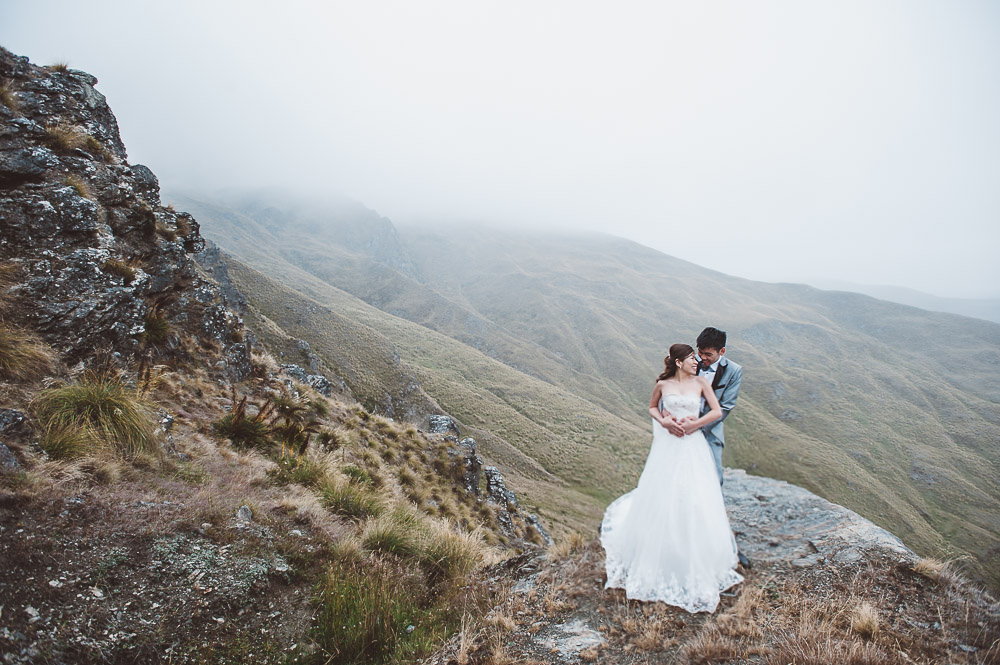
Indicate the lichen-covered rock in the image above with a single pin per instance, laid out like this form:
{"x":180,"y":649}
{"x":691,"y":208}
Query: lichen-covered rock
{"x":775,"y":521}
{"x":97,"y":256}
{"x":441,"y":424}
{"x":318,"y":382}
{"x":472,"y":464}
{"x":8,"y":463}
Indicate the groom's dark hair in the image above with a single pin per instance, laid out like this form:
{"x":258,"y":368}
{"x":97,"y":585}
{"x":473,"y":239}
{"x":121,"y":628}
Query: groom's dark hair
{"x":712,"y":338}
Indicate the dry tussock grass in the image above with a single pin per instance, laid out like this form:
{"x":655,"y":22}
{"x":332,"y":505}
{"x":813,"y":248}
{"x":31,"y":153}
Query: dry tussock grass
{"x":23,"y":355}
{"x":562,"y":548}
{"x":933,"y":569}
{"x":882,"y":614}
{"x":864,"y":619}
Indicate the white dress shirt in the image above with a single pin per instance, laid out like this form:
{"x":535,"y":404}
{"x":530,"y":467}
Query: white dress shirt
{"x":709,"y":375}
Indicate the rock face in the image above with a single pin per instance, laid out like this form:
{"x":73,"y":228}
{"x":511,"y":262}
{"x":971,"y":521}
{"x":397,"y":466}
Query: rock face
{"x":496,"y":489}
{"x":775,"y":521}
{"x":99,"y":261}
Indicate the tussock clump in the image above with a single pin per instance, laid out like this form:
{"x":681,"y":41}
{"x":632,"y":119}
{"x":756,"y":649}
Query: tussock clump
{"x":165,"y":232}
{"x":121,"y":268}
{"x":933,"y":569}
{"x":388,"y":534}
{"x":450,"y":556}
{"x":562,"y":548}
{"x":364,"y":610}
{"x":68,"y":443}
{"x":356,"y":474}
{"x":183,"y":224}
{"x":67,"y":138}
{"x":23,"y":355}
{"x":101,"y":411}
{"x":8,"y":97}
{"x":302,"y":471}
{"x":80,"y":185}
{"x":864,"y":619}
{"x":350,"y":500}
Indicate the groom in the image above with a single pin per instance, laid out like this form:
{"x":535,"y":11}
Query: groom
{"x":725,"y":377}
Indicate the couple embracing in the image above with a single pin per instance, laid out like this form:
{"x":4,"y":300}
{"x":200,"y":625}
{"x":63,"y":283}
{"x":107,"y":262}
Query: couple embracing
{"x":669,"y":539}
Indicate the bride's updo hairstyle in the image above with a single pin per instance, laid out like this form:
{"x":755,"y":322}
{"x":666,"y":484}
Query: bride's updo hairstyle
{"x":678,"y":352}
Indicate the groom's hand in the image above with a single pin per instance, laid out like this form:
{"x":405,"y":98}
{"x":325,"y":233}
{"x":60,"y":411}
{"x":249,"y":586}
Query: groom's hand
{"x":685,"y":425}
{"x":674,"y":426}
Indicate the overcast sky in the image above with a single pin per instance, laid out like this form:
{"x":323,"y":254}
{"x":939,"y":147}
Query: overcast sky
{"x":783,"y":141}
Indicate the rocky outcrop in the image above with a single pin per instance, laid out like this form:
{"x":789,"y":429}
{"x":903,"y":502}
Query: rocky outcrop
{"x":777,"y":522}
{"x":100,"y":262}
{"x":511,"y":520}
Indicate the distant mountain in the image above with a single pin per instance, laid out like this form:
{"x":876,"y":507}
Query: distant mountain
{"x":979,"y":308}
{"x":552,"y":342}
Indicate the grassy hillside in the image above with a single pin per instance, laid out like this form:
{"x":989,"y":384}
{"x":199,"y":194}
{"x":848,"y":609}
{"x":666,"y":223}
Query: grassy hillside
{"x":561,"y":453}
{"x":553,"y":342}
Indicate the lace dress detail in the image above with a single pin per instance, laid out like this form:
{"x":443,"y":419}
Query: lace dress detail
{"x":669,"y":539}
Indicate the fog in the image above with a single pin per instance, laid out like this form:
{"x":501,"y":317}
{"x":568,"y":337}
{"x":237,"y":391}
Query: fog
{"x":784,"y":141}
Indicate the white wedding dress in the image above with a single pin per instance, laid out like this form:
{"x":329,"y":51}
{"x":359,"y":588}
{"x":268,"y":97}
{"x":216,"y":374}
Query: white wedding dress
{"x":669,"y":539}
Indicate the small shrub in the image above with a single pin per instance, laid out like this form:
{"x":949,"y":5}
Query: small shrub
{"x":61,"y":67}
{"x":23,"y":356}
{"x":120,"y":268}
{"x":350,"y":500}
{"x":80,"y":185}
{"x":244,"y":431}
{"x":100,"y":407}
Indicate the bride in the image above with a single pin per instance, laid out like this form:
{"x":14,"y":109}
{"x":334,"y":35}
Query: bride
{"x":669,"y":539}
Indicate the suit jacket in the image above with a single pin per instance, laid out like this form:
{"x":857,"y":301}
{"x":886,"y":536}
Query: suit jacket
{"x":726,"y":385}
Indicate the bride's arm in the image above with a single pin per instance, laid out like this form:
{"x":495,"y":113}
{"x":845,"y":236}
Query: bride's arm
{"x":714,"y":413}
{"x":654,"y":405}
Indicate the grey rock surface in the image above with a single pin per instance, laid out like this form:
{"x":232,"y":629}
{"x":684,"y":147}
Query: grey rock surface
{"x":97,"y":256}
{"x":777,"y":522}
{"x":442,"y":424}
{"x":8,"y":463}
{"x":318,"y":382}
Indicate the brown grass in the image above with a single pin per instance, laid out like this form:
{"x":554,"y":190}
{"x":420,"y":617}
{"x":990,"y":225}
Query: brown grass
{"x":864,"y":619}
{"x":80,"y":185}
{"x":8,"y":97}
{"x":67,"y":138}
{"x":23,"y":355}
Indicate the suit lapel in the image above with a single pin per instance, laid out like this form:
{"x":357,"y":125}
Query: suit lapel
{"x":718,"y":375}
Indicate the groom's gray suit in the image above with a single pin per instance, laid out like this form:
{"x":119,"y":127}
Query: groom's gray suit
{"x":726,"y":384}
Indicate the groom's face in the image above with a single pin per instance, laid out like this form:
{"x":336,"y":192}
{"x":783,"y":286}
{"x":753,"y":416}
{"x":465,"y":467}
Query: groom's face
{"x":710,"y":356}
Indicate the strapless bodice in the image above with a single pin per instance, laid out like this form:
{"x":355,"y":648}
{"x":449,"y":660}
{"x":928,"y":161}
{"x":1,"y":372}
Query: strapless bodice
{"x":681,"y":406}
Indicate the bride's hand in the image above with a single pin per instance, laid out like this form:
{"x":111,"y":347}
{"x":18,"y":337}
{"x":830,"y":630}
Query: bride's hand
{"x":685,"y":424}
{"x":673,"y":426}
